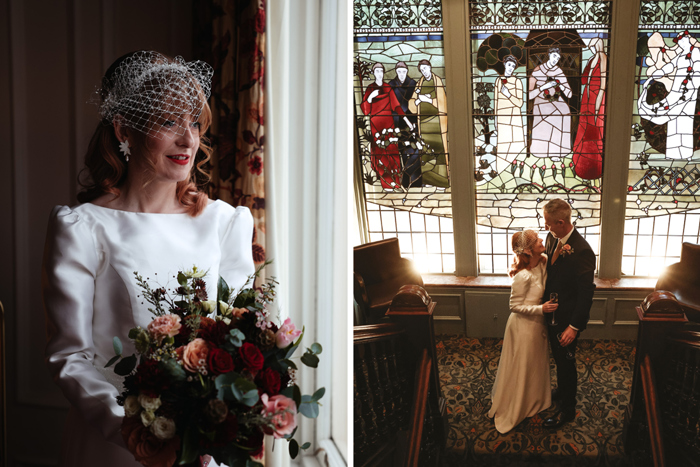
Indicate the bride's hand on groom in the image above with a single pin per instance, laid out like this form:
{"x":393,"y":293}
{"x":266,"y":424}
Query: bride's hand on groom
{"x":549,"y":307}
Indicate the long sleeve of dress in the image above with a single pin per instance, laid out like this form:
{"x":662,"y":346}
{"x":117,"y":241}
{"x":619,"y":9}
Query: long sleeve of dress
{"x":237,"y":249}
{"x":518,"y":292}
{"x":71,"y":264}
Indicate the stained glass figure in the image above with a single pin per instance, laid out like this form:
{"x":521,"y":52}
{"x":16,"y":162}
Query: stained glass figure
{"x":677,"y":69}
{"x":429,"y":103}
{"x":379,"y":102}
{"x":404,"y":87}
{"x":588,"y":147}
{"x":510,"y":132}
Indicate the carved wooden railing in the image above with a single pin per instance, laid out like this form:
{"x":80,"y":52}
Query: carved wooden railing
{"x":399,"y":412}
{"x":662,"y":421}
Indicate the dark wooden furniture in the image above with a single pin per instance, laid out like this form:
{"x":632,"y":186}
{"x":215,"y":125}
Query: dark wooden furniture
{"x":662,"y":420}
{"x":379,"y":272}
{"x":399,"y":411}
{"x":683,"y":279}
{"x":3,"y":383}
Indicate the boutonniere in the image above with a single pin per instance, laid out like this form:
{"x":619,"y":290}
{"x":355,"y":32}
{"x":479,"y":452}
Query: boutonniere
{"x":566,"y":250}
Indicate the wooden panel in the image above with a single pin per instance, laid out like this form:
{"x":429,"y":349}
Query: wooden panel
{"x":486,"y":313}
{"x":598,"y":312}
{"x":449,"y":312}
{"x":624,"y":313}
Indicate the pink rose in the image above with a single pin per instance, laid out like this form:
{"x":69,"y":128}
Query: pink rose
{"x":283,"y":411}
{"x":164,"y":326}
{"x":286,"y":334}
{"x":194,"y":357}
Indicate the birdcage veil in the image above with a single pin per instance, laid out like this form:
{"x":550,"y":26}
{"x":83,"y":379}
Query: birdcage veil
{"x":154,"y":94}
{"x":526,"y":240}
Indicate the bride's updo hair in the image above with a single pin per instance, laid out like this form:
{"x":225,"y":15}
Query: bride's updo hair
{"x":522,"y":243}
{"x":140,"y":89}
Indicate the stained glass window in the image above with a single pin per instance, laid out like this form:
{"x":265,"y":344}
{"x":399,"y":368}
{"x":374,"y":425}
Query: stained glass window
{"x":662,"y":201}
{"x":401,"y":120}
{"x":539,"y":78}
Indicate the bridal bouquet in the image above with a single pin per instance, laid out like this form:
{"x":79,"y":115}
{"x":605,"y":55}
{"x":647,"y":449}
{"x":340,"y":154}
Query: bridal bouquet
{"x":211,"y":386}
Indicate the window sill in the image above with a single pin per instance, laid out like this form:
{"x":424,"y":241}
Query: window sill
{"x":503,"y":281}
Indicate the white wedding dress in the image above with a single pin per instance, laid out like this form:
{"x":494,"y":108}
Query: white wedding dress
{"x":91,"y":295}
{"x":522,"y":387}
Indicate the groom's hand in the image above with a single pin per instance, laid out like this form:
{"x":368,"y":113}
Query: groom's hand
{"x":568,"y":336}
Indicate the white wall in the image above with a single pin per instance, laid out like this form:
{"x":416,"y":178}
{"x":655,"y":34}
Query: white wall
{"x":52,"y":56}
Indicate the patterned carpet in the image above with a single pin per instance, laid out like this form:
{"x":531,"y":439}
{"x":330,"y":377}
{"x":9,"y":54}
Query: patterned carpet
{"x":467,"y":371}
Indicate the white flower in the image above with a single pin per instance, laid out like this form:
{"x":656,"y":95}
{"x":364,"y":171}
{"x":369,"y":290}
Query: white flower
{"x":131,"y":406}
{"x":163,"y":428}
{"x":225,"y":308}
{"x":209,"y":306}
{"x":195,"y":273}
{"x":150,"y":404}
{"x":147,"y":417}
{"x":396,"y":130}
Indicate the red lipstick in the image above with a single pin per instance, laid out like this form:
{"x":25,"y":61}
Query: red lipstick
{"x":181,"y":159}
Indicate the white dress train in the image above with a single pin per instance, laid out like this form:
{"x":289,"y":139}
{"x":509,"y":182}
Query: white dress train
{"x":522,"y":387}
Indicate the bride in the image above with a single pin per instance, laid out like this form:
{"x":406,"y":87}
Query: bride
{"x":141,"y":212}
{"x":522,"y":385}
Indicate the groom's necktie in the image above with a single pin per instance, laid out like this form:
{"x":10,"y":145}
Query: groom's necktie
{"x":557,"y":251}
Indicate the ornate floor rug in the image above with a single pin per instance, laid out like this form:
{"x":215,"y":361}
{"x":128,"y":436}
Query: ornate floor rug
{"x":467,"y":371}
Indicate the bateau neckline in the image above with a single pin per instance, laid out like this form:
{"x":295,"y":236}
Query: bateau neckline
{"x":105,"y":208}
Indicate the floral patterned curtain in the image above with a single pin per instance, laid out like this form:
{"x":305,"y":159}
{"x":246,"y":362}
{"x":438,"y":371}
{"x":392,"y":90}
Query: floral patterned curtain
{"x":230,"y":35}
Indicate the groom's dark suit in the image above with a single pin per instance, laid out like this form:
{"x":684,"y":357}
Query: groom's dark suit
{"x":571,"y":276}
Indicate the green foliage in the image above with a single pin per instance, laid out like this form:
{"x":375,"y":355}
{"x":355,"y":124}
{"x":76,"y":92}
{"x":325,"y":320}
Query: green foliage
{"x":126,"y":366}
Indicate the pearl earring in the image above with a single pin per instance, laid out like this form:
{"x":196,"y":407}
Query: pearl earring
{"x":124,"y":149}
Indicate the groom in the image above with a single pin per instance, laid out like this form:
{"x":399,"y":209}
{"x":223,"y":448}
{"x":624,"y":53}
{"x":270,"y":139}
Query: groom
{"x":569,"y":274}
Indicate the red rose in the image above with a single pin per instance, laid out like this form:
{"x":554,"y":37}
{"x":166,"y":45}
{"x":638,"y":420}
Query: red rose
{"x":215,"y":333}
{"x":251,"y":356}
{"x":219,"y":361}
{"x":269,"y":381}
{"x":149,"y":379}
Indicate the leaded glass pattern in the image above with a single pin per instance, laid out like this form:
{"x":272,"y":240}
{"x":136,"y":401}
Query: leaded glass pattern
{"x":539,"y":76}
{"x":663,"y":181}
{"x":400,"y":93}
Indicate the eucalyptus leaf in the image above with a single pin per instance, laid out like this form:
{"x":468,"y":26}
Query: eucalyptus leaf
{"x":133,"y":332}
{"x":296,"y":395}
{"x":290,"y":363}
{"x":318,"y":394}
{"x":316,"y":348}
{"x":112,"y":360}
{"x":223,"y":292}
{"x":288,"y":392}
{"x":126,"y":366}
{"x":306,"y":445}
{"x":290,"y":350}
{"x":117,"y":345}
{"x":309,"y":409}
{"x":309,"y":360}
{"x":293,"y":449}
{"x":173,"y":369}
